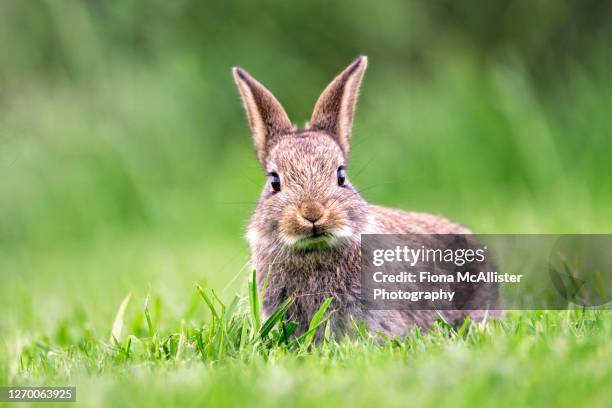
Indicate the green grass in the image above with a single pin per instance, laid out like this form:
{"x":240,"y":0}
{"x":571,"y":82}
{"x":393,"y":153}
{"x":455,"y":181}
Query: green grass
{"x":230,"y":357}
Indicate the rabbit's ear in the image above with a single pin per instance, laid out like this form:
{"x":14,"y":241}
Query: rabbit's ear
{"x":266,"y":116}
{"x":334,"y":110}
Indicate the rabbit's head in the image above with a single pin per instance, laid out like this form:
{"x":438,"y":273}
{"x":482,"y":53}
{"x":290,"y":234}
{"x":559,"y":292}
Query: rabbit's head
{"x":308,"y":202}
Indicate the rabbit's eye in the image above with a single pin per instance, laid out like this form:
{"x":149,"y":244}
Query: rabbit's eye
{"x":341,"y":175}
{"x":274,"y":181}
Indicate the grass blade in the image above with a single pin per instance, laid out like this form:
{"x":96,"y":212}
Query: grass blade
{"x":219,"y":301}
{"x":275,"y":317}
{"x":253,"y":294}
{"x":317,"y":320}
{"x":118,"y":323}
{"x":208,"y":302}
{"x":148,"y":317}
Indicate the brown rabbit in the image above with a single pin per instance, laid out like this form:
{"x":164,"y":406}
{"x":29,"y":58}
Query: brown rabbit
{"x":306,"y":231}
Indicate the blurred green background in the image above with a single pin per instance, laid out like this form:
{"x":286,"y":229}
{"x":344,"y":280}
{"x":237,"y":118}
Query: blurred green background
{"x":126,"y":162}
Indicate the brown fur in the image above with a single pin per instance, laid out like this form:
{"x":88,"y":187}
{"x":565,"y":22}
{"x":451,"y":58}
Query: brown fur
{"x":312,"y":202}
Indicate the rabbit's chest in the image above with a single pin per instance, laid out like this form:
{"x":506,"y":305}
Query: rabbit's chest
{"x":310,"y":286}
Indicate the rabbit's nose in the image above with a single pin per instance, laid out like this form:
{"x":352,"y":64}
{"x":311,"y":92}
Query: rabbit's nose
{"x":312,"y":211}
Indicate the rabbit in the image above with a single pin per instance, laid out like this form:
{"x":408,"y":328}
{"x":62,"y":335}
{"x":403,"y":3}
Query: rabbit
{"x":305,"y":232}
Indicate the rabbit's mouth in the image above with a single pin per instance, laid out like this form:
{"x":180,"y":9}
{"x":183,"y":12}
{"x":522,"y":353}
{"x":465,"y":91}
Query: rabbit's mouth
{"x":315,"y":240}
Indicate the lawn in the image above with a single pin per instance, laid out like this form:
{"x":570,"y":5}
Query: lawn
{"x":228,"y":357}
{"x":169,"y":347}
